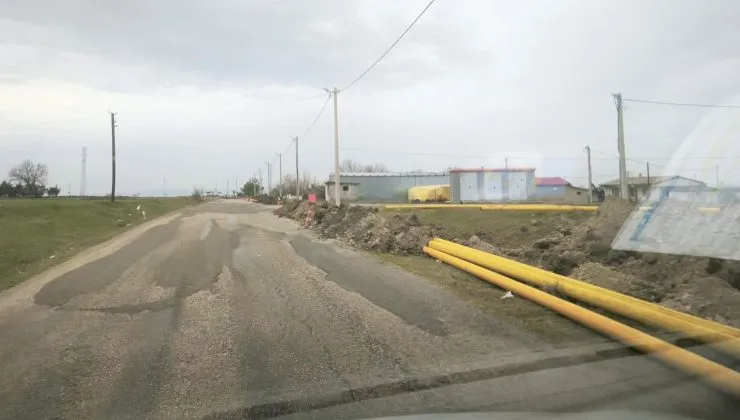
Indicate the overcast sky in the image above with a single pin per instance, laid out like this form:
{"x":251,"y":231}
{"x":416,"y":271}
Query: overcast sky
{"x":207,"y":91}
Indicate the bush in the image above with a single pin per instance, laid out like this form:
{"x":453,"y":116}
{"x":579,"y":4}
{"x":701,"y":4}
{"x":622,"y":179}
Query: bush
{"x":197,"y":194}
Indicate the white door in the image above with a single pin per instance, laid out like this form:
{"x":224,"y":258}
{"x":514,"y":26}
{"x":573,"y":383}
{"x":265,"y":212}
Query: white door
{"x":468,"y":186}
{"x":494,"y":186}
{"x":517,"y":186}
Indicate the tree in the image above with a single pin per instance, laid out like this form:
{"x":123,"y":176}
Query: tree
{"x":31,"y":176}
{"x":29,"y":173}
{"x":251,"y":188}
{"x":18,"y":191}
{"x":6,"y":189}
{"x":53,"y":191}
{"x":197,"y":194}
{"x":351,"y":166}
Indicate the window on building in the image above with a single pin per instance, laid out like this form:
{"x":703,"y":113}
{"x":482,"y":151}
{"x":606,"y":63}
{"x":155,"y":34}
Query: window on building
{"x":345,"y":187}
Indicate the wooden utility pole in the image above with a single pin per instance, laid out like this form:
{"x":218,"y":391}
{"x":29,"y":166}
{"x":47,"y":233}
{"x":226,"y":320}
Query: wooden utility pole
{"x":623,"y":186}
{"x":113,"y":156}
{"x":590,"y":181}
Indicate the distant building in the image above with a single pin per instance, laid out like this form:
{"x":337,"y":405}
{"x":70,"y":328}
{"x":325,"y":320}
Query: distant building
{"x":492,"y":185}
{"x":381,"y":187}
{"x":676,"y":187}
{"x":555,"y":188}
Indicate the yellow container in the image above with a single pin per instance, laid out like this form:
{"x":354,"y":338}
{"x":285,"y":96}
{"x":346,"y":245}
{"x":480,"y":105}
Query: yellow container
{"x":429,"y":193}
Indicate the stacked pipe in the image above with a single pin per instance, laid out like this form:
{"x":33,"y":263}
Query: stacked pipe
{"x":512,"y":275}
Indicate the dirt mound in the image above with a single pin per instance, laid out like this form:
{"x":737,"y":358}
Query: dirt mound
{"x":687,"y":283}
{"x":363,"y":227}
{"x":287,"y":209}
{"x":608,"y":278}
{"x":709,"y":297}
{"x":478,"y":243}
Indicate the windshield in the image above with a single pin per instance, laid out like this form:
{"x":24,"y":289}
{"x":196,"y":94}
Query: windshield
{"x":367,"y":209}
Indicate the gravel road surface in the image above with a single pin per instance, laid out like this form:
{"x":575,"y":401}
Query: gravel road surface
{"x":225,"y":311}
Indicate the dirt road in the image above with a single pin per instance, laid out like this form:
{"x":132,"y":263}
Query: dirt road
{"x":225,"y":311}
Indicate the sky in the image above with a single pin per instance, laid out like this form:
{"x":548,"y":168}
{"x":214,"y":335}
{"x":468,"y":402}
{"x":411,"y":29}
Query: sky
{"x":206,"y":92}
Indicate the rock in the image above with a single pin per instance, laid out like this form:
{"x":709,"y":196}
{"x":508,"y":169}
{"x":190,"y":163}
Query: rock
{"x":479,"y":244}
{"x":546,"y":242}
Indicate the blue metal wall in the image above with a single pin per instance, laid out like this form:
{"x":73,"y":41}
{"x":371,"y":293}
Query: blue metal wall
{"x":391,"y":187}
{"x":550,"y":191}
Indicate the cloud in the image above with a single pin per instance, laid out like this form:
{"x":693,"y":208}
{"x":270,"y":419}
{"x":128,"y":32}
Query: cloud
{"x":208,"y":91}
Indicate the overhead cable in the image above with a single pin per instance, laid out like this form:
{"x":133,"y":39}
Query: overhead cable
{"x":391,"y":47}
{"x":644,"y":101}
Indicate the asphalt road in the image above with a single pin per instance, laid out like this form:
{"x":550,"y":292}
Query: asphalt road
{"x":225,"y":311}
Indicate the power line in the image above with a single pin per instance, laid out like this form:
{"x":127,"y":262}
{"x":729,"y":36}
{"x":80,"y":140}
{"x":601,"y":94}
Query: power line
{"x":644,"y":101}
{"x":315,"y":120}
{"x":391,"y":47}
{"x":401,"y":152}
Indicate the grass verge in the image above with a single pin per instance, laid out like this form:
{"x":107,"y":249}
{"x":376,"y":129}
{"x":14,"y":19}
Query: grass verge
{"x":36,"y":234}
{"x":534,"y":319}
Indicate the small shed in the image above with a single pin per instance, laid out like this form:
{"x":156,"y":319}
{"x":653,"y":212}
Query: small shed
{"x":555,"y":188}
{"x":655,"y":187}
{"x":348,"y":191}
{"x":492,"y":184}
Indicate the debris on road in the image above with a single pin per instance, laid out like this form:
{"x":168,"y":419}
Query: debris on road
{"x":507,"y":295}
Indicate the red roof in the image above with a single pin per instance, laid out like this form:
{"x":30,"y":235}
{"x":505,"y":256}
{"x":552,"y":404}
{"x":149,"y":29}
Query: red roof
{"x":492,"y":170}
{"x":550,"y":181}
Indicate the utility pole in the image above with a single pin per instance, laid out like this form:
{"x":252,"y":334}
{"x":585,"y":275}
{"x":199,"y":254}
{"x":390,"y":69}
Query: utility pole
{"x":716,"y":174}
{"x":269,"y":183}
{"x":113,"y":156}
{"x":623,"y":187}
{"x":254,"y":185}
{"x":337,"y":181}
{"x":280,"y":173}
{"x":228,"y":194}
{"x":259,"y":170}
{"x":297,"y":177}
{"x":647,"y":164}
{"x":590,"y":180}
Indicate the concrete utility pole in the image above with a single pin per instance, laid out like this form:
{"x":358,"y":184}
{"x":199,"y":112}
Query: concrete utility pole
{"x":297,"y":177}
{"x":716,"y":174}
{"x":334,"y":93}
{"x":269,"y":181}
{"x":254,"y":184}
{"x":647,"y":165}
{"x":113,"y":156}
{"x":228,"y":194}
{"x":259,"y":170}
{"x":280,"y":173}
{"x":623,"y":187}
{"x":590,"y":180}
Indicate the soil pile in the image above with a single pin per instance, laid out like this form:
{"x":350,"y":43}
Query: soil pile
{"x":581,"y":249}
{"x":363,"y":227}
{"x":701,"y":286}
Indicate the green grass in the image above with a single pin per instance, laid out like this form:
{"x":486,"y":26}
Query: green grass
{"x":501,"y":228}
{"x":518,"y":312}
{"x":35,"y":234}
